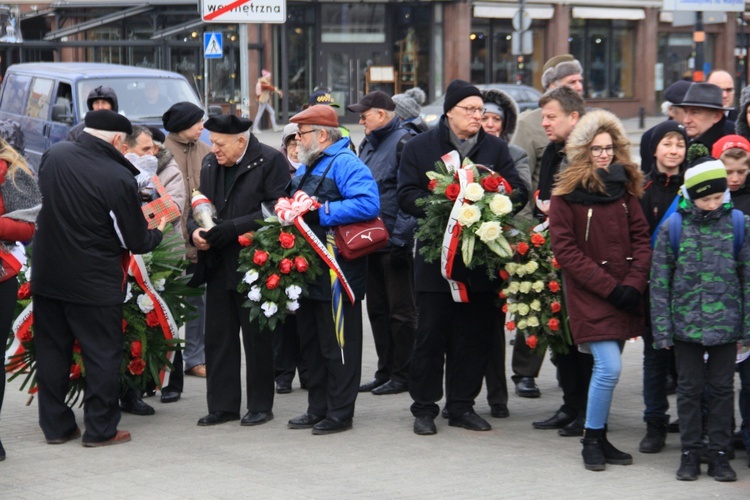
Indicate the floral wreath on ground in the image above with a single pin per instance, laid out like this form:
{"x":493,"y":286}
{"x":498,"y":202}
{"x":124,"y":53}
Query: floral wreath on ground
{"x":278,"y":265}
{"x":534,"y":293}
{"x":154,"y":309}
{"x":467,"y":202}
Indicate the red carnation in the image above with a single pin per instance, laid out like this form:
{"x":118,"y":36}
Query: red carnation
{"x":510,"y":325}
{"x":24,"y":334}
{"x":537,"y":239}
{"x":76,"y":347}
{"x":554,"y":286}
{"x":124,"y":325}
{"x":286,"y":266}
{"x":504,"y":308}
{"x":24,"y":291}
{"x":245,"y":239}
{"x":522,"y":248}
{"x":152,"y":319}
{"x":137,"y":366}
{"x":273,"y":281}
{"x":300,"y":264}
{"x":451,"y":192}
{"x":555,"y":264}
{"x":136,"y":349}
{"x":553,"y":324}
{"x":531,"y":341}
{"x":260,"y":258}
{"x":432,"y":184}
{"x":502,"y":295}
{"x":75,"y":371}
{"x":490,"y":183}
{"x":503,"y":274}
{"x":555,"y":306}
{"x":286,"y":240}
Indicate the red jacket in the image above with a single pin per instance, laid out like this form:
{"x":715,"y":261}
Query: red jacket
{"x":617,"y":250}
{"x":11,"y":230}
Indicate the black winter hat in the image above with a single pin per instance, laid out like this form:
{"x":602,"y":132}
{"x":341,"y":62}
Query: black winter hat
{"x":457,"y":91}
{"x":105,"y":93}
{"x":228,"y":124}
{"x":663,"y":129}
{"x":156,"y":134}
{"x":104,"y":119}
{"x":181,"y":116}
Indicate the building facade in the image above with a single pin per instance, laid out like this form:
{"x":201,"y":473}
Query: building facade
{"x":631,"y":51}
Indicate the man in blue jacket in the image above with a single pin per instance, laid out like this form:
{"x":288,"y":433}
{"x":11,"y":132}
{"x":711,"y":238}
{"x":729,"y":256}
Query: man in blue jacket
{"x":390,"y":280}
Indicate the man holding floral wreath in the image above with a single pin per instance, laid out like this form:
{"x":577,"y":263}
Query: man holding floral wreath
{"x":462,"y":330}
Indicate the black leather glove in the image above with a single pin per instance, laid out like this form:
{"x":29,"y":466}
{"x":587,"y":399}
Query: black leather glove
{"x":401,"y":257}
{"x":624,"y":297}
{"x":221,"y":235}
{"x":312,"y":217}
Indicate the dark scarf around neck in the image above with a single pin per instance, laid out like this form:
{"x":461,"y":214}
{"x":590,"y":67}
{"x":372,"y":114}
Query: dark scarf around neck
{"x":615,"y":179}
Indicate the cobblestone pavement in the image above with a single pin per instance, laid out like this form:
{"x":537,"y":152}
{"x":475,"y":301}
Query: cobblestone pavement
{"x":170,"y":457}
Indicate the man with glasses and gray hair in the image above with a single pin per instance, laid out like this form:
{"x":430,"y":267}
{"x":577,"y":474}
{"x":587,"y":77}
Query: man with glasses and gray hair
{"x":461,"y":330}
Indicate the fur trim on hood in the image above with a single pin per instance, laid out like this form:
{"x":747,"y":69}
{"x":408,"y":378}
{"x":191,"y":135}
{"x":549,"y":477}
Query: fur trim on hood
{"x":741,"y":126}
{"x":164,"y":156}
{"x":509,"y":107}
{"x":589,"y":126}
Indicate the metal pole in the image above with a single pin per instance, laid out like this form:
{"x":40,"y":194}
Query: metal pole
{"x":244,"y":71}
{"x":205,"y":80}
{"x":699,"y":38}
{"x":284,"y":76}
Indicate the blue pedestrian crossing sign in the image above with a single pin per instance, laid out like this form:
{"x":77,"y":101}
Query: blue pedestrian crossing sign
{"x":212,"y":46}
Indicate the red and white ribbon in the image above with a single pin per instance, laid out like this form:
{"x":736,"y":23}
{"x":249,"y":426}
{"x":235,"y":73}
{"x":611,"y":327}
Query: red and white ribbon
{"x":22,"y":323}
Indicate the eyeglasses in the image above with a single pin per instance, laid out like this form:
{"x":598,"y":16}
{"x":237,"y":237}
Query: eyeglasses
{"x":471,"y":111}
{"x":598,"y":150}
{"x":364,"y":115}
{"x":300,"y":134}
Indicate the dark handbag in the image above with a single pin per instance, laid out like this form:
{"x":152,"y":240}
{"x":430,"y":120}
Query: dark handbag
{"x":360,"y":238}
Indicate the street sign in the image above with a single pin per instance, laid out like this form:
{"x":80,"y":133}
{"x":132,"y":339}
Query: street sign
{"x":521,"y":43}
{"x":244,"y":11}
{"x":212,"y":45}
{"x":521,"y":22}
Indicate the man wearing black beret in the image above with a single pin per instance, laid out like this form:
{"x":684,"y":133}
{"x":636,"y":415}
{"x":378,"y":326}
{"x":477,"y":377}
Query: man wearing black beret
{"x":184,"y":124}
{"x":238,"y":176}
{"x":90,"y":219}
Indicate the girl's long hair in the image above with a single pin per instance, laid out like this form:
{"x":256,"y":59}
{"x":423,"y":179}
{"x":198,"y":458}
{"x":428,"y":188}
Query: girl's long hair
{"x":14,"y":160}
{"x":581,"y":171}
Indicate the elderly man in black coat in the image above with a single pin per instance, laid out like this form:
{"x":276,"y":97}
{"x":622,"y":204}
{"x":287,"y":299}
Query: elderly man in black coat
{"x":238,"y":176}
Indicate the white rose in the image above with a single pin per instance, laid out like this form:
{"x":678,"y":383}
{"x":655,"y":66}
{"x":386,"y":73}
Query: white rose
{"x":536,"y":305}
{"x":501,"y":205}
{"x":513,"y":288}
{"x":538,"y":286}
{"x":145,"y":303}
{"x":523,"y":309}
{"x":293,"y":292}
{"x":292,"y":306}
{"x":251,"y":277}
{"x":512,"y":307}
{"x":520,"y":270}
{"x":159,"y":284}
{"x":489,"y":231}
{"x":254,"y":294}
{"x":523,"y":324}
{"x":533,"y":321}
{"x":531,"y":267}
{"x":468,"y":215}
{"x":511,"y":268}
{"x":525,"y":287}
{"x":27,"y":274}
{"x":269,"y":309}
{"x":473,"y":191}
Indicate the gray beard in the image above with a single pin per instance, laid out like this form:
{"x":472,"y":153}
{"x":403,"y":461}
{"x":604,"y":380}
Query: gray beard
{"x":308,"y":156}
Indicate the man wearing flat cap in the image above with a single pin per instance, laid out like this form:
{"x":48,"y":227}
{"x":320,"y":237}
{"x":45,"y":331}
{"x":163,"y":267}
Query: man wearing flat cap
{"x":462,"y":330}
{"x":390,"y":281}
{"x":184,"y":123}
{"x":238,"y":176}
{"x":704,"y":115}
{"x":90,"y":219}
{"x":331,"y":173}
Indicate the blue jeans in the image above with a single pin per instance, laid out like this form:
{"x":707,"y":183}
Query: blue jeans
{"x":607,"y":368}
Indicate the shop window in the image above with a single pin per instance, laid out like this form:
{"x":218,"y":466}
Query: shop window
{"x":300,"y":54}
{"x":492,"y":59}
{"x":412,"y":43}
{"x":606,"y":50}
{"x":353,"y":23}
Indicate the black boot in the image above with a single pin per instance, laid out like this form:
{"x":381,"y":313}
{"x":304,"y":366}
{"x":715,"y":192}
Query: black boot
{"x":612,"y":455}
{"x":593,"y":454}
{"x":656,"y":436}
{"x":2,"y":452}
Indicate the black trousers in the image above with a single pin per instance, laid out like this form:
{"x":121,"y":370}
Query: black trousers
{"x":462,"y":332}
{"x":494,"y":377}
{"x":333,"y":383}
{"x":574,"y":374}
{"x":392,"y":314}
{"x":98,"y":329}
{"x":225,"y":320}
{"x":524,"y":362}
{"x":286,"y":353}
{"x":8,"y":291}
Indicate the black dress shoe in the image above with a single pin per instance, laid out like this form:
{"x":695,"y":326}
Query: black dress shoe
{"x":136,"y":407}
{"x":575,"y":428}
{"x":445,"y":413}
{"x":304,"y":421}
{"x":331,"y":425}
{"x":499,"y":411}
{"x":372,"y":384}
{"x":283,"y":387}
{"x":170,"y":396}
{"x":218,"y":417}
{"x":556,"y":421}
{"x":258,"y":418}
{"x":391,"y":387}
{"x":424,"y":426}
{"x":470,"y":421}
{"x":527,"y":388}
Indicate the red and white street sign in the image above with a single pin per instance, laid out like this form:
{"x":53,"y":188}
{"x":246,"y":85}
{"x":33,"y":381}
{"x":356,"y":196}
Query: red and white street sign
{"x":244,"y":11}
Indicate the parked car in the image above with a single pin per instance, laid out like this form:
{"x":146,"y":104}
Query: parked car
{"x":47,"y":99}
{"x":526,"y":97}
